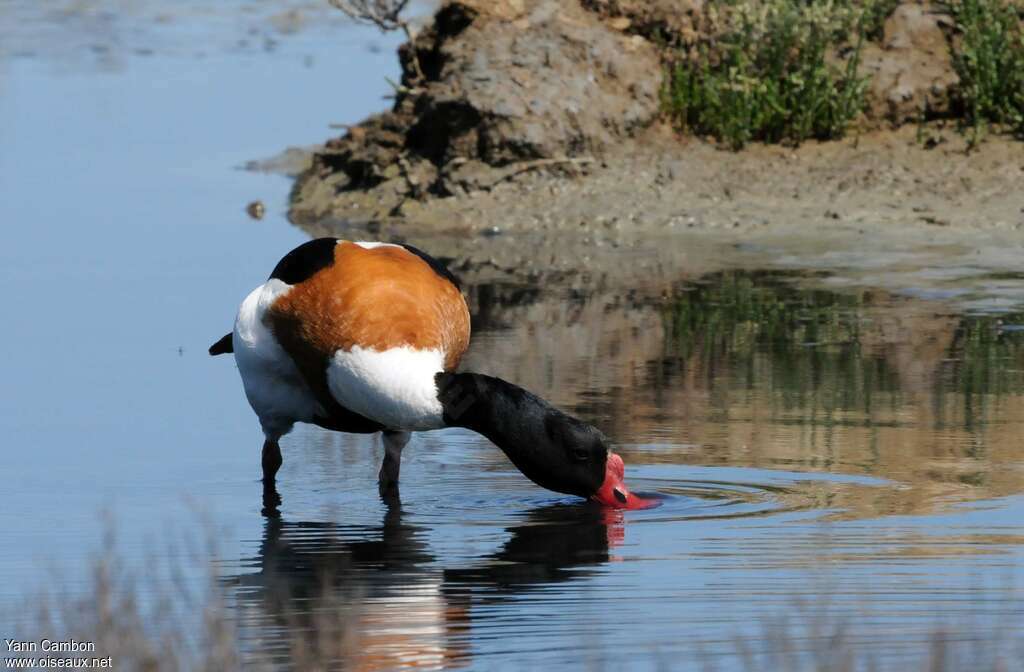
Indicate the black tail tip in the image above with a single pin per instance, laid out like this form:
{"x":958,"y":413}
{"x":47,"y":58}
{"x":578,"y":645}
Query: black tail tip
{"x":223,"y":346}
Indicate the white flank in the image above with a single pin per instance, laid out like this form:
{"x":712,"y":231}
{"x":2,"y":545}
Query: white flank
{"x":275,"y":388}
{"x":393,"y":387}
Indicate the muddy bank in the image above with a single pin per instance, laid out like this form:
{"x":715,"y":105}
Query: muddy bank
{"x":881,"y":210}
{"x":494,"y":90}
{"x":526,"y":143}
{"x":486,"y":87}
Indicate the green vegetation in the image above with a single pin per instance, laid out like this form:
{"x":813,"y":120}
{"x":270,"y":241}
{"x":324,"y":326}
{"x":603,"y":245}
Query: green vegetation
{"x":990,"y":63}
{"x":787,"y":70}
{"x":875,"y":12}
{"x":769,"y":73}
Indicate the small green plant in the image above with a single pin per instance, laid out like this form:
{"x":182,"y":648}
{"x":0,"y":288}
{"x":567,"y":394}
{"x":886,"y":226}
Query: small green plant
{"x":769,"y":74}
{"x":990,"y":63}
{"x":873,"y":16}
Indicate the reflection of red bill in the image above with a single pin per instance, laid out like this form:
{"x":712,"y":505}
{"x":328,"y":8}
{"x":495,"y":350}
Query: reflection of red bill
{"x":613,"y":491}
{"x":615,"y":528}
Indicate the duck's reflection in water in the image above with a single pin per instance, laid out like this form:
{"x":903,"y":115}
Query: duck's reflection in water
{"x":552,"y":544}
{"x":376,"y":598}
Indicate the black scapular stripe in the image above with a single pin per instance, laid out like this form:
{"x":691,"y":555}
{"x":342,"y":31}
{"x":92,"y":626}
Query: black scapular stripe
{"x":436,"y":265}
{"x":223,"y":346}
{"x":305,"y":261}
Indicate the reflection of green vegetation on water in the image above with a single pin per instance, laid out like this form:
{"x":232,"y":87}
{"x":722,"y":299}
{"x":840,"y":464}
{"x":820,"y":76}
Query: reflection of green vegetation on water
{"x":983,"y":361}
{"x":809,"y":339}
{"x":762,"y":330}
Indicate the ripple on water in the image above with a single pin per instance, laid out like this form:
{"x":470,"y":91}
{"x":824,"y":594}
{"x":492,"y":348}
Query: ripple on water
{"x":694,"y":492}
{"x":463,"y":479}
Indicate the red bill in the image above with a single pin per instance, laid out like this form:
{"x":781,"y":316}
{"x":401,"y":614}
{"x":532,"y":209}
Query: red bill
{"x":613,"y":492}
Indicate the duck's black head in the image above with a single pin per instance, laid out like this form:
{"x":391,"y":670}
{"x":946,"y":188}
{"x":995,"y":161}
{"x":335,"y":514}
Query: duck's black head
{"x":554,"y":450}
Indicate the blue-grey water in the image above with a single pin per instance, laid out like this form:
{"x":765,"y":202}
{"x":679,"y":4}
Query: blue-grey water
{"x":826,"y":457}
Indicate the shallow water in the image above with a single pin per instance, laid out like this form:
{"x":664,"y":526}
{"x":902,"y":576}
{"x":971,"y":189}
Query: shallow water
{"x":826,"y":454}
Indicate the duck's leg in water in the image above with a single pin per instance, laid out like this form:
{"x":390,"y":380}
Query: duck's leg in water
{"x":394,"y":442}
{"x":271,"y":461}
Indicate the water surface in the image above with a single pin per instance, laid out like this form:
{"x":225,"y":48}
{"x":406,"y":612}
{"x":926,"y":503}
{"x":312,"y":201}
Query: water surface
{"x":827,"y":454}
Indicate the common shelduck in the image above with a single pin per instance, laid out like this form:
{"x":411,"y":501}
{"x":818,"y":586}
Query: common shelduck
{"x":366,"y":337}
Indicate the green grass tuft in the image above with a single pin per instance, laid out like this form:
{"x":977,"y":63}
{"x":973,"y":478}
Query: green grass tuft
{"x":769,"y":74}
{"x":990,"y":63}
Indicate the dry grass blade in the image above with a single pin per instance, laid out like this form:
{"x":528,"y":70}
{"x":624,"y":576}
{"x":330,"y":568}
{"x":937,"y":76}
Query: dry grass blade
{"x":385,"y":14}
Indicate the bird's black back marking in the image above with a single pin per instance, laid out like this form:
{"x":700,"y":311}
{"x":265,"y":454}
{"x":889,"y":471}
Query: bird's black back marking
{"x":305,"y":261}
{"x":438,"y":267}
{"x":223,"y":346}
